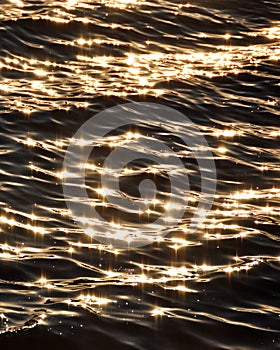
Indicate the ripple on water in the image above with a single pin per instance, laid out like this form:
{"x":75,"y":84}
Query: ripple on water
{"x":216,"y":61}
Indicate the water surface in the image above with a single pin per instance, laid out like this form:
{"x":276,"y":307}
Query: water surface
{"x":217,"y":62}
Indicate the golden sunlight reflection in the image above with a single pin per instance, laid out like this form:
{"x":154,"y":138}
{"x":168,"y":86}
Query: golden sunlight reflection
{"x":157,"y":312}
{"x":122,"y":4}
{"x":93,"y":300}
{"x":18,"y":3}
{"x":141,"y":72}
{"x":54,"y":77}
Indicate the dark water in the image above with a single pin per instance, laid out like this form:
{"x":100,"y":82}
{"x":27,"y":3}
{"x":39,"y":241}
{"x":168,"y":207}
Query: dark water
{"x":215,"y":61}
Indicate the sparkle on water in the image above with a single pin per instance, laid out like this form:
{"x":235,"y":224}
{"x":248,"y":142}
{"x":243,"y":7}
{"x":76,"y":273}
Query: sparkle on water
{"x":43,"y":84}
